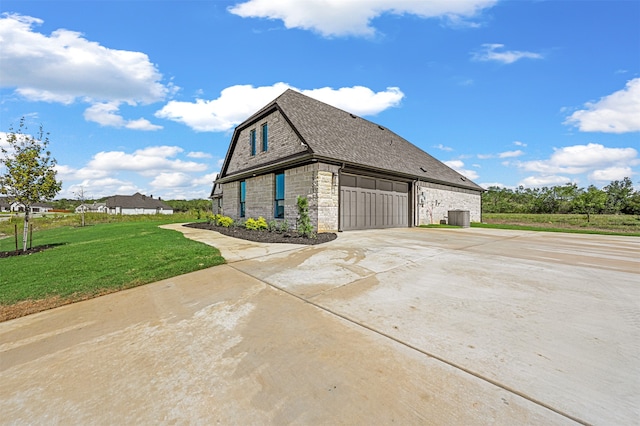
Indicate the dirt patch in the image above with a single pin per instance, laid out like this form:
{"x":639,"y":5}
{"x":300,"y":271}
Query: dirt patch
{"x":28,"y":307}
{"x":266,"y":236}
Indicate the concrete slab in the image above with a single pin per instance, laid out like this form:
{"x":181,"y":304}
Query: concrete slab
{"x":411,"y":326}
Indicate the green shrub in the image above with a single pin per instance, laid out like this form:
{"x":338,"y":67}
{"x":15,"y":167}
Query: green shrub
{"x":224,"y":221}
{"x":284,"y":226}
{"x":305,"y":228}
{"x":256,"y":224}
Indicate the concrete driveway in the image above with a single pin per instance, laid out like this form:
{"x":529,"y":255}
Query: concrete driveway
{"x":408,"y":326}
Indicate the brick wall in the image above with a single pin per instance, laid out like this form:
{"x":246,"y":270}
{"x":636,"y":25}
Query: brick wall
{"x":435,"y":201}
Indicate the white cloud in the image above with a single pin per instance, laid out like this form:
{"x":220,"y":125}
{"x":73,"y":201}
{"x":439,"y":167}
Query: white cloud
{"x":611,"y":173}
{"x":206,"y":180}
{"x":199,"y":154}
{"x":458,"y":166}
{"x":518,"y":143}
{"x":236,"y":103}
{"x":171,"y":180}
{"x":353,"y":17}
{"x":98,"y":188}
{"x":510,"y":154}
{"x":544,"y":180}
{"x":64,"y":67}
{"x":442,"y":147}
{"x":597,"y":161}
{"x":615,"y":113}
{"x":489,"y":52}
{"x":147,"y":162}
{"x":152,"y":170}
{"x":485,"y":156}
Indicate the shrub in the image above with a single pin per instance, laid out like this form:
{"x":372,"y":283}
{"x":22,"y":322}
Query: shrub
{"x":256,"y":224}
{"x":284,"y":226}
{"x":224,"y":221}
{"x":305,"y":228}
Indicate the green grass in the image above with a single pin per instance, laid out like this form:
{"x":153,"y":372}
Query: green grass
{"x":99,"y":258}
{"x":575,"y":223}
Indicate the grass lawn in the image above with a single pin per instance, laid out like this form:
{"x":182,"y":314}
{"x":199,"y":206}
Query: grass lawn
{"x":598,"y":224}
{"x":98,"y":259}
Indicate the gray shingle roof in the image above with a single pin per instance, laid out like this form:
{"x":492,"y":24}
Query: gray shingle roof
{"x":337,"y":135}
{"x":136,"y":200}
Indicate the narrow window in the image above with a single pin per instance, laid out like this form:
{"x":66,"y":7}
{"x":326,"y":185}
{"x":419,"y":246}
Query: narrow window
{"x":279,"y":198}
{"x":243,"y":196}
{"x":265,"y":137}
{"x":252,"y":141}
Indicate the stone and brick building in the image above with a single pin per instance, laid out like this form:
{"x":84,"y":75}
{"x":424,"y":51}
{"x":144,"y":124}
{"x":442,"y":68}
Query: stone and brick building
{"x":356,"y":174}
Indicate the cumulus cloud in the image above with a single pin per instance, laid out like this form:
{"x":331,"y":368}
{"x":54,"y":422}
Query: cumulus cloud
{"x":353,"y":17}
{"x":547,"y":180}
{"x":611,"y":173}
{"x":600,"y":163}
{"x":116,"y":172}
{"x":65,"y":67}
{"x":510,"y":154}
{"x":171,"y":180}
{"x":491,"y":52}
{"x":147,"y":162}
{"x":458,"y":166}
{"x":236,"y":103}
{"x":615,"y":113}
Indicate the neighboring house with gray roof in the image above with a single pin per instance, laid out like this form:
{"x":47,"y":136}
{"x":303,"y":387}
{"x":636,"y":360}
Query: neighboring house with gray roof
{"x":92,"y":208}
{"x":137,"y":204}
{"x":356,"y":174}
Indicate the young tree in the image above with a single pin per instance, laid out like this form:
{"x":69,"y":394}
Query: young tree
{"x":80,"y":197}
{"x":29,"y":174}
{"x":591,"y":201}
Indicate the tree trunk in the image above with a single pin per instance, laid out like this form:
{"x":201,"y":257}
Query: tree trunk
{"x":25,"y":232}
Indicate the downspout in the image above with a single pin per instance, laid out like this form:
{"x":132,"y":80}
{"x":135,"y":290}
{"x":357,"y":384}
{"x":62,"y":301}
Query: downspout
{"x":340,"y":198}
{"x":416,"y":209}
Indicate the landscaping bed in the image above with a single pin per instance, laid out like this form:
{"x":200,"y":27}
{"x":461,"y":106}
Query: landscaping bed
{"x":264,"y":236}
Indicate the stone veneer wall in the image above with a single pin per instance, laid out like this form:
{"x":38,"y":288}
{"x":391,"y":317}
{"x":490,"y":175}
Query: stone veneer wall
{"x":318,"y":182}
{"x":435,"y":201}
{"x":283,"y":142}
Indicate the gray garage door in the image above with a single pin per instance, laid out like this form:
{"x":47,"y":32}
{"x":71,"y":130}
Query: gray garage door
{"x":367,"y":203}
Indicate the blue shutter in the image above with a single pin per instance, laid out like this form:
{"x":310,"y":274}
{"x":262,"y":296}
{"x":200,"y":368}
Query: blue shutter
{"x":265,"y":137}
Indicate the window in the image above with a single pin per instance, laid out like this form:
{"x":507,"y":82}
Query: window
{"x":243,"y":197}
{"x":252,"y":142}
{"x":265,"y":137}
{"x":279,"y":198}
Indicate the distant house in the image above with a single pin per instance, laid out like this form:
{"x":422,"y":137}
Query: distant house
{"x":6,"y":206}
{"x":136,"y":204}
{"x":92,"y":208}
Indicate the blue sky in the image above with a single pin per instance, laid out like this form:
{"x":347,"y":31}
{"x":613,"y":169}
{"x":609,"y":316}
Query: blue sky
{"x":144,"y":95}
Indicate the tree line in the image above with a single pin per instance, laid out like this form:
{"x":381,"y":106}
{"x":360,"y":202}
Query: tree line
{"x":619,"y":197}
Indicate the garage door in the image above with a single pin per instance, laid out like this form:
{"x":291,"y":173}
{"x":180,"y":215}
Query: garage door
{"x":367,"y":203}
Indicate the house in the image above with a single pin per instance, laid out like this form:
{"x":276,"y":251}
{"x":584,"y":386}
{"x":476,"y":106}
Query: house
{"x":5,"y":206}
{"x":355,"y":173}
{"x":14,"y":206}
{"x":92,"y":208}
{"x":136,"y":204}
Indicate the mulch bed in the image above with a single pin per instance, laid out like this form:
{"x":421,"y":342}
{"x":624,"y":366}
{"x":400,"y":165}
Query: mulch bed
{"x":27,"y":252}
{"x":266,"y":236}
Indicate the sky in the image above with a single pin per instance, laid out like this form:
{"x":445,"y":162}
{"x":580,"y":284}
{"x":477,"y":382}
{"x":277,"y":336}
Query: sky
{"x":143,"y":96}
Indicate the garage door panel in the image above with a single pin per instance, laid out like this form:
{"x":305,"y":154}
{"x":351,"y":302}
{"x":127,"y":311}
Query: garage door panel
{"x":373,"y":203}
